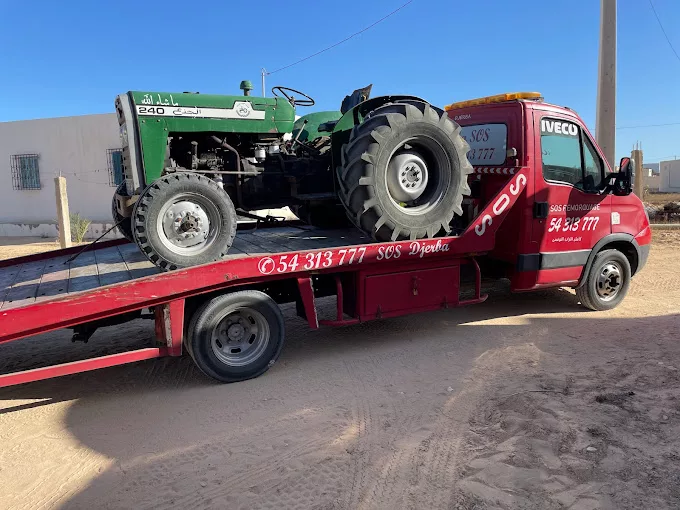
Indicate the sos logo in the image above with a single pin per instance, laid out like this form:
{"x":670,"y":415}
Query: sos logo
{"x":501,"y":204}
{"x":478,"y":135}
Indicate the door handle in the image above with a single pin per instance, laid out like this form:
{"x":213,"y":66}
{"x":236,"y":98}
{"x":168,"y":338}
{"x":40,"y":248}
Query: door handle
{"x":540,"y":210}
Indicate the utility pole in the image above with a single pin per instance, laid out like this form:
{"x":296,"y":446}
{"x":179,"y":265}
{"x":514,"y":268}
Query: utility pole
{"x":264,"y":73}
{"x":63,"y":217}
{"x":639,"y":183}
{"x":606,"y":83}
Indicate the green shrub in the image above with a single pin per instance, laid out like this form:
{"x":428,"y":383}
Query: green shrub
{"x":79,"y":227}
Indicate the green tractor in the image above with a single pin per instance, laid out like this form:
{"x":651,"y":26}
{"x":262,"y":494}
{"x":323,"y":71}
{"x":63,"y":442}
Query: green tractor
{"x":393,"y":166}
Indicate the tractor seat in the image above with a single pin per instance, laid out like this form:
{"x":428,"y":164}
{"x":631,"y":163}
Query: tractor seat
{"x":357,"y":97}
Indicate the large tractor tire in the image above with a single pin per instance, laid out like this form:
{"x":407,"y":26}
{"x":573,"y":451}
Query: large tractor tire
{"x":184,"y":220}
{"x":404,"y":172}
{"x":124,"y":224}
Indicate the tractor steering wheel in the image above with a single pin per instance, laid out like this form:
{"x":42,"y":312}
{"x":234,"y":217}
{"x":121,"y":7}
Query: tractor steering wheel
{"x":291,"y":99}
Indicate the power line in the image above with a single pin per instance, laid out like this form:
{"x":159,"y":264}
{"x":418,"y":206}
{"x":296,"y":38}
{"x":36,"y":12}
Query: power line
{"x":343,"y":41}
{"x":649,"y":125}
{"x":663,"y":30}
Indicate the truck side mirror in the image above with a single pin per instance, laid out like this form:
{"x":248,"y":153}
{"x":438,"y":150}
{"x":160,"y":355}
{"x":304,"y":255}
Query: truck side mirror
{"x":622,"y":184}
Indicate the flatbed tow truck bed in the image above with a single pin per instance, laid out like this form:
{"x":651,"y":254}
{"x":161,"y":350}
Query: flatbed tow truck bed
{"x":34,"y":279}
{"x":112,"y":282}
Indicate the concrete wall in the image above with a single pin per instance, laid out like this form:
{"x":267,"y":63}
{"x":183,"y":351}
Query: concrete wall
{"x":651,"y":181}
{"x":77,"y":147}
{"x":670,"y":176}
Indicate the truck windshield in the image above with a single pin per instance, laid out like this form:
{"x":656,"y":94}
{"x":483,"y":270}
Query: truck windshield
{"x":488,"y":143}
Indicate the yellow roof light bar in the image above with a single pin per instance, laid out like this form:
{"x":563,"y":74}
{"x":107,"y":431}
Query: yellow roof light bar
{"x":498,"y":98}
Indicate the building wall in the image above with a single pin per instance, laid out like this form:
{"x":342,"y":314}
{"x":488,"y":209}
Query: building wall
{"x":670,"y":176}
{"x":652,"y":181}
{"x":76,"y":147}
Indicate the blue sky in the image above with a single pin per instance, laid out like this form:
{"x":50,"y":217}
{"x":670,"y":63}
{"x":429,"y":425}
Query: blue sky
{"x":74,"y":57}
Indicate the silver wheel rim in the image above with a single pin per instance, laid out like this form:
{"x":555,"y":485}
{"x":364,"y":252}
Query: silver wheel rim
{"x":188,"y":224}
{"x":609,"y":281}
{"x":240,"y":337}
{"x":414,"y":178}
{"x":407,"y":176}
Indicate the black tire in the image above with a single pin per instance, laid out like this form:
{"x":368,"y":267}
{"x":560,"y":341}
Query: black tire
{"x":607,"y":264}
{"x":209,"y":318}
{"x":125,"y":225}
{"x":326,"y":216}
{"x":209,"y":200}
{"x":363,"y":176}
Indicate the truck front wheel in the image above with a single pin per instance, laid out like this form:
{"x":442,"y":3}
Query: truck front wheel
{"x":236,"y":336}
{"x":184,"y":220}
{"x":607,"y":281}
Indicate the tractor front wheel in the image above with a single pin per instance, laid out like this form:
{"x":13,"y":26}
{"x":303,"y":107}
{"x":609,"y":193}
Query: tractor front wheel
{"x":184,"y":220}
{"x":404,"y":172}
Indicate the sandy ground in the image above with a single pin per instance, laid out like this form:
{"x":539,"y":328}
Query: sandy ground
{"x":11,"y":247}
{"x":526,"y":401}
{"x":661,"y":198}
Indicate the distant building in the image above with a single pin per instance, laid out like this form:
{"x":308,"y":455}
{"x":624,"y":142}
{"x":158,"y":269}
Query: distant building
{"x":654,"y":167}
{"x":670,"y":176}
{"x":652,"y":179}
{"x":85,"y":149}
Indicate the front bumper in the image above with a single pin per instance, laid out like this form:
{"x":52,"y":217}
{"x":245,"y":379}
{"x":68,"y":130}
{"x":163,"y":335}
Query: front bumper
{"x":643,"y":255}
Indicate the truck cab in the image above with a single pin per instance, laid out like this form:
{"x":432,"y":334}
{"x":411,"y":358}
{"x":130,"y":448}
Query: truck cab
{"x":574,"y":206}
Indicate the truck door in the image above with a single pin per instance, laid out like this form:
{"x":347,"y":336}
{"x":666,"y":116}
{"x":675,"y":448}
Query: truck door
{"x":570,"y":212}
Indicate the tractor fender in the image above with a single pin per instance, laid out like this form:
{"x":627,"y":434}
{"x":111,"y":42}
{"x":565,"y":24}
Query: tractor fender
{"x":626,"y":244}
{"x":356,"y":115}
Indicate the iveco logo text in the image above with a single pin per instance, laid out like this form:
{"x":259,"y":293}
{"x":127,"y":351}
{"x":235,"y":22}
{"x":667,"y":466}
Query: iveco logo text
{"x":501,"y":204}
{"x":559,"y":128}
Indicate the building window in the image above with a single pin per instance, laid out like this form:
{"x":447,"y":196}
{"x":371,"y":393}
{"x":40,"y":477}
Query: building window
{"x":25,"y":171}
{"x":114,"y":157}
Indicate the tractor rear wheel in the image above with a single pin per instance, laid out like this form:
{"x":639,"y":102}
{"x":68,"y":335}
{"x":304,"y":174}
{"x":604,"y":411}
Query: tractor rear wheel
{"x":404,"y":172}
{"x":124,"y":224}
{"x":183,"y":220}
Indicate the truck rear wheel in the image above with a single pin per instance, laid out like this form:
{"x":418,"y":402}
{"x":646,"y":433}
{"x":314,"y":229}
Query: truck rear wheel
{"x":236,"y":336}
{"x":607,"y":281}
{"x":184,"y":220}
{"x":404,"y":172}
{"x":124,"y":224}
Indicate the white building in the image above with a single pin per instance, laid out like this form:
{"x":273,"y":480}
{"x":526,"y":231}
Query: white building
{"x":85,"y":149}
{"x":652,"y":179}
{"x":670,"y":176}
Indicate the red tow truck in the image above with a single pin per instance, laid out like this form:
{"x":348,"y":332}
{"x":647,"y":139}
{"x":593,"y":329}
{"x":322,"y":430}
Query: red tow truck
{"x":546,"y":210}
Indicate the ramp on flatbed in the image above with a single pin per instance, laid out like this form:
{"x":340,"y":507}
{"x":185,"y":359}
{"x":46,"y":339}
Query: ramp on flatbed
{"x":40,"y":280}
